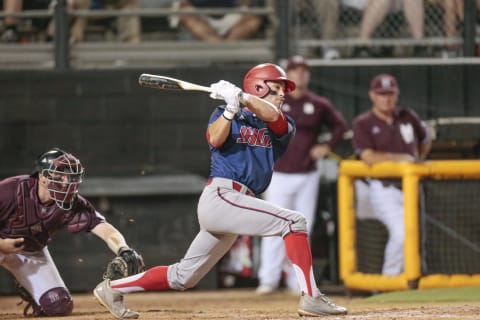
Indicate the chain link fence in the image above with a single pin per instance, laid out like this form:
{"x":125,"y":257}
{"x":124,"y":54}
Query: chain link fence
{"x":317,"y":29}
{"x":378,"y":28}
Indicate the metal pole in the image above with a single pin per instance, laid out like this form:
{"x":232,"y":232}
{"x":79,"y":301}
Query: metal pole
{"x":470,"y":14}
{"x":62,"y":49}
{"x":282,"y":51}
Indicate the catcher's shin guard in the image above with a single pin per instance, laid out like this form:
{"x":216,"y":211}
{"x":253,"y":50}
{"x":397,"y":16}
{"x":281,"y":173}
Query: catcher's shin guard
{"x":36,"y":311}
{"x":54,"y":302}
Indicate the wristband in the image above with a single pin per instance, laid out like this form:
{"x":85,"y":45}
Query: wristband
{"x":228,"y":115}
{"x":122,"y":249}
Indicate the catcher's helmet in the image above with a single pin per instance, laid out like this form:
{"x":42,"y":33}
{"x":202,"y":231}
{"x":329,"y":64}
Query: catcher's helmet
{"x":44,"y":160}
{"x":255,"y":79}
{"x":64,"y":174}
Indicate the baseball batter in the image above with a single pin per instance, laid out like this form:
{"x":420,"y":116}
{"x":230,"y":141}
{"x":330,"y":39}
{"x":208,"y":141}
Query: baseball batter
{"x":389,"y":133}
{"x":295,"y":179}
{"x":244,"y":144}
{"x":32,"y":209}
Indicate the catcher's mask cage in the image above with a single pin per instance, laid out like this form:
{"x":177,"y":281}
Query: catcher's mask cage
{"x":255,"y":81}
{"x":64,"y":174}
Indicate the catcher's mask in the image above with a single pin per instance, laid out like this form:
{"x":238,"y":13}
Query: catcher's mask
{"x":64,"y":174}
{"x":255,"y":80}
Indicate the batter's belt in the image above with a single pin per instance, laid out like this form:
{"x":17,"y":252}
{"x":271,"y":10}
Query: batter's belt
{"x":237,"y":186}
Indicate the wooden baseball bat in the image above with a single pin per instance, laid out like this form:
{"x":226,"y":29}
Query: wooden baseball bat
{"x":168,"y":83}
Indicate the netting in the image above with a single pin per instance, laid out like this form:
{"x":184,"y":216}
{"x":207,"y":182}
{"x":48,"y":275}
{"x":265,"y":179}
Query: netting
{"x":370,"y":244}
{"x":450,"y":230}
{"x":451,"y":234}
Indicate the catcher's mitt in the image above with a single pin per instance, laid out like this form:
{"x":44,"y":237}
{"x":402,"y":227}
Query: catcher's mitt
{"x":127,"y":263}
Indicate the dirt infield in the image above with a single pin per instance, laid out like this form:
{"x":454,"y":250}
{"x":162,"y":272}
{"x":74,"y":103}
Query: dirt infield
{"x":245,"y":304}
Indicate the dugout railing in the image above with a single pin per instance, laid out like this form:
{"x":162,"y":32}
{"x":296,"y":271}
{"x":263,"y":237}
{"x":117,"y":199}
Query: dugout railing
{"x":462,"y":243}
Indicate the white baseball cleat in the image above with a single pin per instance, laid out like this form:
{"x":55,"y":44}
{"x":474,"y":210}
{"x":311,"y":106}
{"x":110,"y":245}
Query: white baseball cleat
{"x":113,"y":300}
{"x":319,"y":306}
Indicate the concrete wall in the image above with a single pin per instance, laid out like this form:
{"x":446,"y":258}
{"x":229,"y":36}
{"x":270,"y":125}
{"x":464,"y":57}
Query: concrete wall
{"x":118,"y":128}
{"x":114,"y":126}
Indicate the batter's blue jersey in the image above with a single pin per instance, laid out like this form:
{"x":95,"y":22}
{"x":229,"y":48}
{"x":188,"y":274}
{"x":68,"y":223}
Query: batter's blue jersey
{"x":248,"y":154}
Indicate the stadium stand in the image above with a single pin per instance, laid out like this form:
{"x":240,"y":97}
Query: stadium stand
{"x":289,"y":27}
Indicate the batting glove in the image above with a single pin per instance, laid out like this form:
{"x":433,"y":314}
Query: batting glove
{"x":226,"y":91}
{"x":230,"y":112}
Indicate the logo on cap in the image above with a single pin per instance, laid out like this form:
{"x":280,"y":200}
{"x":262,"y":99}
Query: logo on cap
{"x":384,"y":83}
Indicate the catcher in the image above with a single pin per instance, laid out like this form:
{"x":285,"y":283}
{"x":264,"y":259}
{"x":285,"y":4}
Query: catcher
{"x":32,"y":209}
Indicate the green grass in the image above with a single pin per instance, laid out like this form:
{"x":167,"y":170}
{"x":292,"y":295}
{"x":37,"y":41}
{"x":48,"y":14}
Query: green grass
{"x":429,"y":295}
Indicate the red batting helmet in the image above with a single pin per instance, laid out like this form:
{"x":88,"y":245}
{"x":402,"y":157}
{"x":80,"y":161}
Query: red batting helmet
{"x":255,"y":79}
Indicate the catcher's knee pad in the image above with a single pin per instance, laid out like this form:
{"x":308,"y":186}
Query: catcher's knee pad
{"x":298,"y":223}
{"x":56,"y":302}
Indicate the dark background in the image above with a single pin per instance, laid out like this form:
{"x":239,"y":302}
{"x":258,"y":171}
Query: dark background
{"x":120,"y":129}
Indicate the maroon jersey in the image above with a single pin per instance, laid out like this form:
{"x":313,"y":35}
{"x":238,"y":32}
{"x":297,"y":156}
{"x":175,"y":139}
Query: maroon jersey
{"x":402,"y":136}
{"x":310,"y":113}
{"x":22,"y":214}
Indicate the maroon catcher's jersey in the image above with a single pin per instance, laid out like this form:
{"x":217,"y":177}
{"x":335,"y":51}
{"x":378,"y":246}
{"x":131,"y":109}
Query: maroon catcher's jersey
{"x":311,"y":112}
{"x":22,"y":214}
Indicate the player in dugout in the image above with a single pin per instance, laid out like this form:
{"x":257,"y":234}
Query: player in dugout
{"x":245,"y":137}
{"x":32,"y":209}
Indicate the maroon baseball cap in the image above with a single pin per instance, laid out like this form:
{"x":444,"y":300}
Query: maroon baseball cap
{"x":297,"y":60}
{"x":384,"y":83}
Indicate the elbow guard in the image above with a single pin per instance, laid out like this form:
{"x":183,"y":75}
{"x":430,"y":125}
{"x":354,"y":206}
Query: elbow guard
{"x":280,"y":126}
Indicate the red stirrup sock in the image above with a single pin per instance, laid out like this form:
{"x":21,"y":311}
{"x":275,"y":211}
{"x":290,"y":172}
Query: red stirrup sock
{"x":298,"y":251}
{"x":154,"y":279}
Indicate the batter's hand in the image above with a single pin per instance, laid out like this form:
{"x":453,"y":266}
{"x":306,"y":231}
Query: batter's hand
{"x":231,"y":111}
{"x":11,"y":245}
{"x":226,"y":91}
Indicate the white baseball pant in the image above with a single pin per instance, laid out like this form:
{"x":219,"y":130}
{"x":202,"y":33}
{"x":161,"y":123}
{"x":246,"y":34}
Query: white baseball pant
{"x":387,"y":204}
{"x":35,"y":271}
{"x":224,"y":212}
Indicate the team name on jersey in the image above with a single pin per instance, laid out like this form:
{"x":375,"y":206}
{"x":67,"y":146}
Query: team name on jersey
{"x":255,"y":137}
